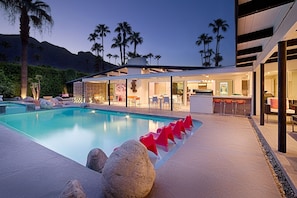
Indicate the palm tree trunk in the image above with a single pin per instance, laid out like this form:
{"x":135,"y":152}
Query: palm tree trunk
{"x":134,"y":49}
{"x":24,"y":26}
{"x":121,"y":54}
{"x":217,"y":49}
{"x":124,"y":52}
{"x":124,"y":48}
{"x":102,"y":49}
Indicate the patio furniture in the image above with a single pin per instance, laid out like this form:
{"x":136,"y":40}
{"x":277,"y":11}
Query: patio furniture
{"x":228,"y":102}
{"x":188,"y":123}
{"x":168,"y":131}
{"x":166,"y":100}
{"x":154,"y":100}
{"x":149,"y":142}
{"x":217,"y":102}
{"x":162,"y":136}
{"x":240,"y":103}
{"x":271,"y":108}
{"x":178,"y":128}
{"x":180,"y":124}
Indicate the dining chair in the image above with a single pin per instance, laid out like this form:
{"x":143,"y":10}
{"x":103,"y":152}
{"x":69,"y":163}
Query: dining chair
{"x":166,"y":100}
{"x":155,"y":100}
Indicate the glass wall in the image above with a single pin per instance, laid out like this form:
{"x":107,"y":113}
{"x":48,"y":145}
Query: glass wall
{"x":117,"y":91}
{"x":162,"y":92}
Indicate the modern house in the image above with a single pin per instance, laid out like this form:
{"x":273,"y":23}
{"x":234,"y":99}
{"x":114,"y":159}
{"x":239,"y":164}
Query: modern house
{"x":266,"y":63}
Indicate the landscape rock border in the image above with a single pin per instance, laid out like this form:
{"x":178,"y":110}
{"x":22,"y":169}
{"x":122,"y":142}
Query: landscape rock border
{"x":280,"y":176}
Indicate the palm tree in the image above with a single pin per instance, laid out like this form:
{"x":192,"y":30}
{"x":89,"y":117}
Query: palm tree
{"x":207,"y":57}
{"x":93,"y":37}
{"x":115,"y":56}
{"x":205,"y":39}
{"x":34,"y":11}
{"x":124,"y":29}
{"x":118,"y":43}
{"x":150,"y":56}
{"x":97,"y":47}
{"x":109,"y":56}
{"x":157,"y":57}
{"x":135,"y":39}
{"x":102,"y":29}
{"x":201,"y":53}
{"x":217,"y":25}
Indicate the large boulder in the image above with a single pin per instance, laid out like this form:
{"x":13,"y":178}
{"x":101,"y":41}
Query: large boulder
{"x":96,"y":160}
{"x":45,"y":104}
{"x":56,"y":102}
{"x":73,"y":189}
{"x":128,"y":172}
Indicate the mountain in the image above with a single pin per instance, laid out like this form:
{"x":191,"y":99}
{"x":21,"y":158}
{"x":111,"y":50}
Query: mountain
{"x":47,"y":54}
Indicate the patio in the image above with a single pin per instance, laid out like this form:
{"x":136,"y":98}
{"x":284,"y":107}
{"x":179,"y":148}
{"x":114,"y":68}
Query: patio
{"x":223,"y":158}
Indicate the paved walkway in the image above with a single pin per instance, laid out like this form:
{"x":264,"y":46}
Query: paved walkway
{"x":222,"y":159}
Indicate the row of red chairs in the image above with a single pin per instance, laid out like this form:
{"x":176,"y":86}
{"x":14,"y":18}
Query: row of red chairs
{"x":161,"y":137}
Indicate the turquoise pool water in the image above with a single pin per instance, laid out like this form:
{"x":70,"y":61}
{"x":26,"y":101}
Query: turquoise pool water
{"x":73,"y":132}
{"x":11,"y":108}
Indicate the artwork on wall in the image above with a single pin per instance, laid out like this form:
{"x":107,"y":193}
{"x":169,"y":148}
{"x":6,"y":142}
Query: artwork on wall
{"x":133,"y":86}
{"x":223,"y":88}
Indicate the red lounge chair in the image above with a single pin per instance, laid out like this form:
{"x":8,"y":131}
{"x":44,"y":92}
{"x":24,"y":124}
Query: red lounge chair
{"x":188,"y":123}
{"x":180,"y":125}
{"x":162,"y":136}
{"x":149,"y":142}
{"x":178,"y":128}
{"x":168,"y":131}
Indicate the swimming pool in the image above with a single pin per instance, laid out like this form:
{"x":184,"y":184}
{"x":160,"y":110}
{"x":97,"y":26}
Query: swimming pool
{"x":73,"y":132}
{"x":11,"y":108}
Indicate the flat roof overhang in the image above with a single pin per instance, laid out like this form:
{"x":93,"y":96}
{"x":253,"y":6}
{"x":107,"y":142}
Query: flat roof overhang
{"x":189,"y":73}
{"x":260,"y":26}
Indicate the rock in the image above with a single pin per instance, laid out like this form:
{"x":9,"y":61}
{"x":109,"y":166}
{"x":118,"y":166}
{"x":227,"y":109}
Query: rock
{"x":28,"y":99}
{"x":128,"y":172}
{"x":73,"y":189}
{"x":84,"y":105}
{"x":44,"y":104}
{"x":56,"y":102}
{"x":59,"y":98}
{"x":96,"y":160}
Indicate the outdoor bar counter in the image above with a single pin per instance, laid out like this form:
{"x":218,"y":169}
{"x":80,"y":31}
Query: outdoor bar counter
{"x":238,"y":105}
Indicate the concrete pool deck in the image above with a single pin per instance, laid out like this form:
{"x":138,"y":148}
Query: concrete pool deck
{"x":223,"y":158}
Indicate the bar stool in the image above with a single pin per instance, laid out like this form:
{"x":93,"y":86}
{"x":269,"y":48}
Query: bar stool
{"x":230,"y":103}
{"x":217,"y":101}
{"x":240,"y":102}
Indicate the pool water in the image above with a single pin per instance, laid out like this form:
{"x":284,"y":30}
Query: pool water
{"x":11,"y":108}
{"x":73,"y":132}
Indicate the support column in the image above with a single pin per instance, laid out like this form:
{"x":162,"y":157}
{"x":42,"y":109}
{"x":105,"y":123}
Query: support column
{"x":108,"y":92}
{"x":262,"y":94}
{"x":185,"y":93}
{"x":282,"y":70}
{"x":83,"y":93}
{"x":171,"y":100}
{"x":254,"y":93}
{"x":126,"y":92}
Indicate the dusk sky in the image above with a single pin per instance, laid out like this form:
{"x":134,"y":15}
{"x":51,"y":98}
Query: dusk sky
{"x":169,"y":28}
